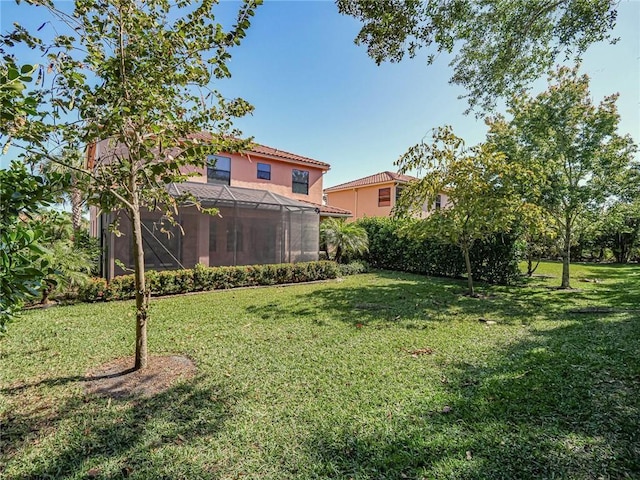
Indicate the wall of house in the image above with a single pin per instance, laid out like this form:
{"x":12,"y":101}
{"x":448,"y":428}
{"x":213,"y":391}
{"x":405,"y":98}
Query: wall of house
{"x":363,"y":201}
{"x":345,"y":199}
{"x":244,"y":173}
{"x":429,"y":209}
{"x":244,"y":169}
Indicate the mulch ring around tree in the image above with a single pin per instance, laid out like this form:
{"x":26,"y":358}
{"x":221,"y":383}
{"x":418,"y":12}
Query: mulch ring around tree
{"x":117,"y":379}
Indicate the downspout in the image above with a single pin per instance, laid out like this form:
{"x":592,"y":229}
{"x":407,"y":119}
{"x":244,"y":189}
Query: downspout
{"x":355,"y":204}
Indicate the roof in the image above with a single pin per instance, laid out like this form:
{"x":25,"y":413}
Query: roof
{"x":259,"y":149}
{"x":382,"y":177}
{"x":223,"y":195}
{"x":330,"y":211}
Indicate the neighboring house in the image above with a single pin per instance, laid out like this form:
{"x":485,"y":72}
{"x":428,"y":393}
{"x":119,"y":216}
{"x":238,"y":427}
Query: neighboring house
{"x":375,"y":195}
{"x":269,"y":203}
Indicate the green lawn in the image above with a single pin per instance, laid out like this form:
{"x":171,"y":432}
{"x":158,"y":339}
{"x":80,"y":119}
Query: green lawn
{"x":319,"y":381}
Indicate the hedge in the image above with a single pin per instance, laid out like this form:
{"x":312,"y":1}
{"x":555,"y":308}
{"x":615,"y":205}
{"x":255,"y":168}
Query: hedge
{"x":203,"y":278}
{"x":494,"y":260}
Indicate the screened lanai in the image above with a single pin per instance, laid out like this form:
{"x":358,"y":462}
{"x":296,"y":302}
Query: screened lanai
{"x":251,"y":227}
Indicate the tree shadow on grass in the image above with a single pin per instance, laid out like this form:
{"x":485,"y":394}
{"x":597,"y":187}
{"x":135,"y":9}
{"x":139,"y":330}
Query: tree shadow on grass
{"x":415,"y":302}
{"x":622,"y":283}
{"x":405,"y":301}
{"x":562,"y":404}
{"x":85,"y":435}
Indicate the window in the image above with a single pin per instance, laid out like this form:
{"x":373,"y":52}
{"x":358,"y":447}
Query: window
{"x":384,"y":197}
{"x":300,"y":182}
{"x":438,"y":202}
{"x":219,"y":169}
{"x":264,"y":171}
{"x":398,"y":192}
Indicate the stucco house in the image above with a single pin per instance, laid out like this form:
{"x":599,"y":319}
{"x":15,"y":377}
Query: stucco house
{"x":375,"y":195}
{"x":269,"y":203}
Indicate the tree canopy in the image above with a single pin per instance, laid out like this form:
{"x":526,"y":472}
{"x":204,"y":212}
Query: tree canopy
{"x":480,"y":185}
{"x":498,"y":46}
{"x":572,"y":144}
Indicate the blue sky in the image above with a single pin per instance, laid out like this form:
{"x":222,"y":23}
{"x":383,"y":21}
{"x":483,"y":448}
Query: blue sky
{"x":317,"y":94}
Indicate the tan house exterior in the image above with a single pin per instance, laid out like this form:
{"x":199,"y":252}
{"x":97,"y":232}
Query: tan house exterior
{"x":269,"y":202}
{"x":374,"y":196}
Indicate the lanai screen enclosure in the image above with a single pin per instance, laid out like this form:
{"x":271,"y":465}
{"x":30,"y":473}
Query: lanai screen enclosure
{"x":251,"y":227}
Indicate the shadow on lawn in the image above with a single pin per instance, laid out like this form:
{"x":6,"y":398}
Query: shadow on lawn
{"x":87,"y":436}
{"x":621,"y":283}
{"x":415,"y":301}
{"x":562,"y":404}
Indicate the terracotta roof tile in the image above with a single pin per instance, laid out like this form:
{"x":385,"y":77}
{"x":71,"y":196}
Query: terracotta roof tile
{"x":330,"y":211}
{"x":259,"y":149}
{"x":274,"y":152}
{"x":381,"y":177}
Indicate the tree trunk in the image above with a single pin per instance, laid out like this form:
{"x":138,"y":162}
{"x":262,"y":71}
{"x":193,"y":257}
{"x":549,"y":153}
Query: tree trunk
{"x":142,"y":295}
{"x":76,"y":209}
{"x":531,"y":269}
{"x":338,"y":256}
{"x":467,"y":261}
{"x":566,"y":257}
{"x":46,"y":291}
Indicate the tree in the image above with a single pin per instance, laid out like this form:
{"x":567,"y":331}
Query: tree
{"x":23,"y":265}
{"x":480,"y":186}
{"x":22,"y":194}
{"x":572,"y":144}
{"x":619,"y":229}
{"x":143,"y":87}
{"x":538,"y":238}
{"x":500,"y":46}
{"x":344,"y":239}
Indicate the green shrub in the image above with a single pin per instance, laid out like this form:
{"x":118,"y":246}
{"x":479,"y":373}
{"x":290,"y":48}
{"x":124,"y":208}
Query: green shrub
{"x":353,"y":268}
{"x":94,"y":290}
{"x":201,"y":278}
{"x":494,"y":260}
{"x":121,"y":288}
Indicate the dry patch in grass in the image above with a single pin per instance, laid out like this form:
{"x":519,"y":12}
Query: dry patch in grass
{"x":117,"y":379}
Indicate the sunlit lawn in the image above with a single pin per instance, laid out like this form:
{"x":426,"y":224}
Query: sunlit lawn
{"x":335,"y":380}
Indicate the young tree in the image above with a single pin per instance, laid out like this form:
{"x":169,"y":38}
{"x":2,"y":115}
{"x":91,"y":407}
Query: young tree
{"x":572,"y":143}
{"x":480,"y":186}
{"x":144,"y":86}
{"x":344,"y":239}
{"x":500,"y":46}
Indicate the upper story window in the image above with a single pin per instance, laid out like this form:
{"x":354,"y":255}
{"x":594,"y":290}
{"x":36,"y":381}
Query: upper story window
{"x":384,"y":197}
{"x":264,"y":171}
{"x":399,"y":190}
{"x":438,"y":202}
{"x":219,"y":169}
{"x":300,"y":181}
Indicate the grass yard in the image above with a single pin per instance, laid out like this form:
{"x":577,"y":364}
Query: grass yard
{"x":383,"y":375}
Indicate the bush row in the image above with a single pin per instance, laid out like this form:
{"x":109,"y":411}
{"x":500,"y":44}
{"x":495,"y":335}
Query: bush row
{"x":203,"y":278}
{"x":494,"y":260}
